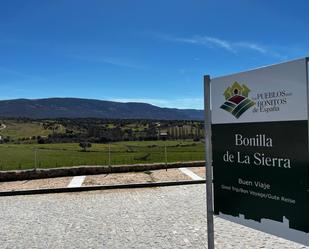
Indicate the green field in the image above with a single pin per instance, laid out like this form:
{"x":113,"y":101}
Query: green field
{"x":22,"y":156}
{"x":24,"y":129}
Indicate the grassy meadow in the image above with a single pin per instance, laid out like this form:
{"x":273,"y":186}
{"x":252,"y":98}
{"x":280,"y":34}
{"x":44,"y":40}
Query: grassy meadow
{"x":22,"y":156}
{"x":25,"y":129}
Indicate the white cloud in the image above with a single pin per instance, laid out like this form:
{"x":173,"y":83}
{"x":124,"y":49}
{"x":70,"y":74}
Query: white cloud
{"x":252,"y":46}
{"x":180,"y":103}
{"x":230,"y":46}
{"x":217,"y":42}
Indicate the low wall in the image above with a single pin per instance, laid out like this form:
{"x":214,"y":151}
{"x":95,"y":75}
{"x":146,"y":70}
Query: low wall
{"x":16,"y":175}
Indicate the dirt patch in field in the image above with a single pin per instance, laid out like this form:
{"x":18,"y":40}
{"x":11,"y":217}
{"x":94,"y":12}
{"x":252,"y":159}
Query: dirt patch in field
{"x":200,"y":171}
{"x":136,"y":177}
{"x":169,"y":175}
{"x":59,"y":182}
{"x":118,"y":178}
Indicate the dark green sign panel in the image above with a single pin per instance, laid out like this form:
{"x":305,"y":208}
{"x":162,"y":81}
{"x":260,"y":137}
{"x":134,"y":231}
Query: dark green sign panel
{"x":260,"y":181}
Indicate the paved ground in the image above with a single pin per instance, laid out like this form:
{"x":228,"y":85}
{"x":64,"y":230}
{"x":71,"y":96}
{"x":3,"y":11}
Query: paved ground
{"x":167,"y":217}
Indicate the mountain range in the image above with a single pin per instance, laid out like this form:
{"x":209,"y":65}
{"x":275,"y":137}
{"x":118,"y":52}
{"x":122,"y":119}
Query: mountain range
{"x":91,"y":108}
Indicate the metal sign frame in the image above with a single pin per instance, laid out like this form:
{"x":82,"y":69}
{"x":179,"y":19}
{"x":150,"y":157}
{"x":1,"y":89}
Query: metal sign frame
{"x":208,"y":156}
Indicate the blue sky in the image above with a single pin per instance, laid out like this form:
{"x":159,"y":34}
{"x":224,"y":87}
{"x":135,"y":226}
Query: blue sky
{"x":154,"y":51}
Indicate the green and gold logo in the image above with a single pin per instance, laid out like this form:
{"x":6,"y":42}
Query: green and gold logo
{"x":237,"y":101}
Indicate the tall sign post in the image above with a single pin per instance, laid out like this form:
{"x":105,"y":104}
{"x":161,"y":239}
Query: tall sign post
{"x":208,"y":156}
{"x":261,"y":150}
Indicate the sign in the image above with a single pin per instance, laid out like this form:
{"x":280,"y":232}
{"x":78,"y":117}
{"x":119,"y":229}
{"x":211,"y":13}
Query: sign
{"x":260,"y":149}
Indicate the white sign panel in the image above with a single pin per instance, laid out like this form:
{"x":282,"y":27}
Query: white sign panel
{"x":277,"y":93}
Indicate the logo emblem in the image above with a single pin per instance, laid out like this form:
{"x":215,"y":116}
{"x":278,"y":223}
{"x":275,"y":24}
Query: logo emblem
{"x":237,"y":101}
